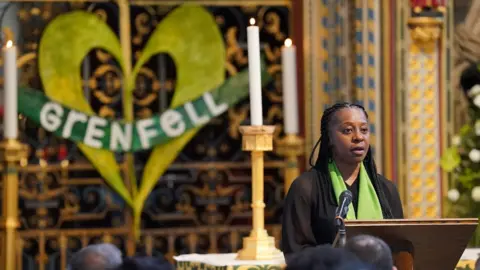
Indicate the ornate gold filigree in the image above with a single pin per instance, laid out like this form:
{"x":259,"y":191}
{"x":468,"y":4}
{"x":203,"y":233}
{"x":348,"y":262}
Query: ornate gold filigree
{"x":271,"y":22}
{"x":234,"y":53}
{"x":62,"y":193}
{"x":236,"y":117}
{"x":143,"y":28}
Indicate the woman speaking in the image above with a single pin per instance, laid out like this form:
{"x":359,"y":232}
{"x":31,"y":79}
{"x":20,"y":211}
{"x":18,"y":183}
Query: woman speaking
{"x":345,"y":161}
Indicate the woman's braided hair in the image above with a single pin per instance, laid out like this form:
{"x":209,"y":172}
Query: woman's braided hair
{"x":325,"y":155}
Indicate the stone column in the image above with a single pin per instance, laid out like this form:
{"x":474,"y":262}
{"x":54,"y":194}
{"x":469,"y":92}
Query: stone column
{"x":367,"y":69}
{"x":422,"y":113}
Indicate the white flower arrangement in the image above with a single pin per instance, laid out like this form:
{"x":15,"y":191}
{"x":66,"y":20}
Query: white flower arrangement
{"x":462,"y":158}
{"x":474,"y":91}
{"x":453,"y":195}
{"x":476,"y":194}
{"x":476,"y":101}
{"x":474,"y":155}
{"x":456,"y":140}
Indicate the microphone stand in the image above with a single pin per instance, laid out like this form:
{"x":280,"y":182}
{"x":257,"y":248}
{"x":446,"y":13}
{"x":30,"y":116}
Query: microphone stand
{"x":341,"y":236}
{"x":340,"y":213}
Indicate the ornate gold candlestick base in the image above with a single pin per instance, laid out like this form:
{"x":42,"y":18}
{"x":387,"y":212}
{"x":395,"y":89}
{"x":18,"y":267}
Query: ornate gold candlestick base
{"x":12,"y":153}
{"x":290,"y":147}
{"x":258,"y":245}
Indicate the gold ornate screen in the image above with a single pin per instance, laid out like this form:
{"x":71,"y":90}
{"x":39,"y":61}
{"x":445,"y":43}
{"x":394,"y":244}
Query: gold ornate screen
{"x":202,"y":203}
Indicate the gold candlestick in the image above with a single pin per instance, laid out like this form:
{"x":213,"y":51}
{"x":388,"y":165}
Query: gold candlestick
{"x":258,"y":245}
{"x":290,"y":147}
{"x":13,"y":154}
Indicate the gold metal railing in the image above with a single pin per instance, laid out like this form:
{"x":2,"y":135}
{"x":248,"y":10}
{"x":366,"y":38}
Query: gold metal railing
{"x":149,"y":238}
{"x":220,"y":238}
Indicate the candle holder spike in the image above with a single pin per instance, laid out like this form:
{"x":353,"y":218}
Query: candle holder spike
{"x":12,"y":155}
{"x":290,"y":147}
{"x":258,"y":245}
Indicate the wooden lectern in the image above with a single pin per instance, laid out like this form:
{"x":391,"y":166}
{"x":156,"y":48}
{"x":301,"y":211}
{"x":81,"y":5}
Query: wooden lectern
{"x":420,"y":244}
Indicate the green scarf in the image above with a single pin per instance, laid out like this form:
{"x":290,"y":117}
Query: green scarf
{"x":368,"y":204}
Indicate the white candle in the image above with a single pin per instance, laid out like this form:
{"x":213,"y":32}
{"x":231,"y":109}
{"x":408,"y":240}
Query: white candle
{"x":10,"y":115}
{"x":254,"y":74}
{"x":289,"y":81}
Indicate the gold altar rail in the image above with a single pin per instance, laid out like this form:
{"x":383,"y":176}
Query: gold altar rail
{"x":148,"y":237}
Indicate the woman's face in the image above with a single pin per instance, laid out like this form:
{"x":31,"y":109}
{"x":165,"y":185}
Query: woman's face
{"x":349,"y":135}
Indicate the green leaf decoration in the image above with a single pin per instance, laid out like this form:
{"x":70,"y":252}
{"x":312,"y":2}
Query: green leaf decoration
{"x":191,"y":37}
{"x":65,"y":43}
{"x":450,"y":160}
{"x":464,"y":130}
{"x":467,"y":179}
{"x":189,"y":34}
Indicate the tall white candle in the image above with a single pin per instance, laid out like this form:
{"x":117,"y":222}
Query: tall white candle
{"x":10,"y":115}
{"x":289,"y":81}
{"x":254,"y":74}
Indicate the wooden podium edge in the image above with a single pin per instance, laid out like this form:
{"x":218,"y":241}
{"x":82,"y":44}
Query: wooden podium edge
{"x":404,"y":260}
{"x":410,"y":222}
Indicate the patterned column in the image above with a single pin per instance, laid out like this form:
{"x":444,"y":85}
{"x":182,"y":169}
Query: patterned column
{"x":335,"y":51}
{"x":342,"y":61}
{"x":314,"y":71}
{"x":325,"y":54}
{"x":327,"y":59}
{"x":367,"y":45}
{"x":422,"y":110}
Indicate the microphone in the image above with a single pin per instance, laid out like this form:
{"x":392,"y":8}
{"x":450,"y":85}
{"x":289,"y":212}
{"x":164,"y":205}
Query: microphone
{"x":342,"y":210}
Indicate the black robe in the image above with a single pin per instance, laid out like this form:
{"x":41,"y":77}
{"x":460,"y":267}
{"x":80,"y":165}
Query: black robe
{"x":308,"y":214}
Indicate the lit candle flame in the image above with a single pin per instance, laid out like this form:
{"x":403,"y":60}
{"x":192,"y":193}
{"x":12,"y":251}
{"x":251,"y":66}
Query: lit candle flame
{"x":9,"y":44}
{"x":288,"y":42}
{"x":252,"y":21}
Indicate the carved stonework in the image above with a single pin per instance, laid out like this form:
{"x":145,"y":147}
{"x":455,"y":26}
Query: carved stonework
{"x":425,"y":31}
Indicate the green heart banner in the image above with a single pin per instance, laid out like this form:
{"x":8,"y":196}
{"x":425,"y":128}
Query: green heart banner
{"x":143,"y":134}
{"x":190,"y":35}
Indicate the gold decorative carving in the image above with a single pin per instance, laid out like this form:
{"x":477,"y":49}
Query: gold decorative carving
{"x":290,"y":147}
{"x":425,"y":31}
